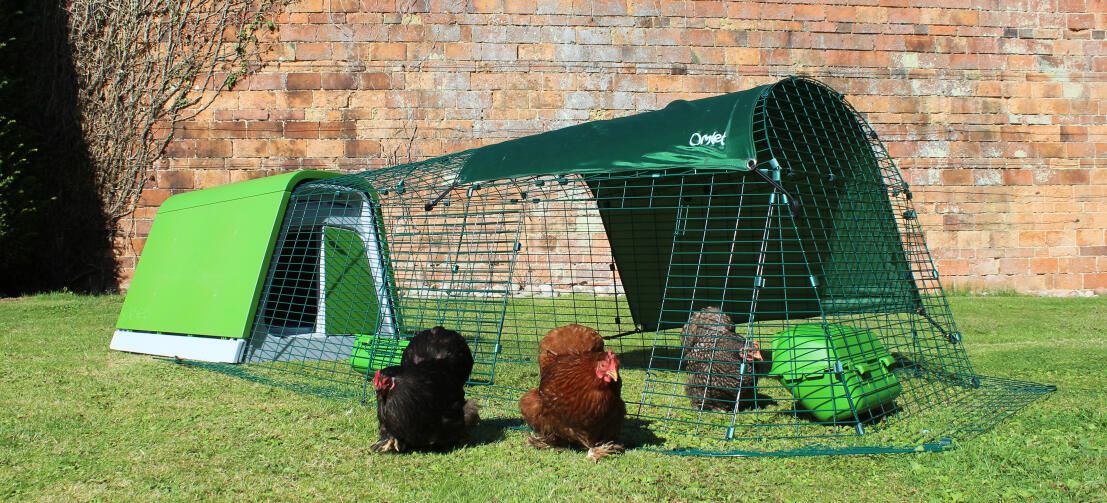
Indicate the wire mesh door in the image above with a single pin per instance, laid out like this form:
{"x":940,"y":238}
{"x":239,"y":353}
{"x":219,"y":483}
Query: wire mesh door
{"x":328,"y":286}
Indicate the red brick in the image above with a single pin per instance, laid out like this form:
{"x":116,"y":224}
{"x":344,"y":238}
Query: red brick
{"x":957,"y":177}
{"x":301,"y":129}
{"x":953,"y":267}
{"x":1077,"y":264}
{"x":213,"y":178}
{"x":213,"y":148}
{"x":841,"y":13}
{"x":250,"y":148}
{"x":964,"y":17}
{"x":1073,"y":176}
{"x":250,"y":114}
{"x":872,"y":15}
{"x":301,"y":81}
{"x":1017,"y":177}
{"x":188,"y":130}
{"x":153,"y":197}
{"x":266,"y":129}
{"x":1043,"y":265}
{"x":375,"y":80}
{"x":323,"y":148}
{"x":176,"y":179}
{"x":361,"y":148}
{"x":1013,"y":266}
{"x":1085,"y":237}
{"x":1081,"y":21}
{"x":345,"y":5}
{"x":228,"y":129}
{"x":389,"y":51}
{"x":1095,"y":280}
{"x":742,"y":56}
{"x":263,"y":82}
{"x":293,"y":99}
{"x":488,"y":6}
{"x":809,"y":12}
{"x":337,"y":129}
{"x":338,"y":81}
{"x":288,"y":148}
{"x":313,"y":51}
{"x":547,"y":100}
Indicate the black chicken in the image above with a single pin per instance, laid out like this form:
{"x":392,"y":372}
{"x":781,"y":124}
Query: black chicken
{"x":722,"y":366}
{"x":421,"y":407}
{"x":421,"y":402}
{"x":440,"y":344}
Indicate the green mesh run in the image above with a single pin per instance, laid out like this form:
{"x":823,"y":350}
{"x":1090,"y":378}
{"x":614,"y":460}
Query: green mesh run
{"x":794,"y":224}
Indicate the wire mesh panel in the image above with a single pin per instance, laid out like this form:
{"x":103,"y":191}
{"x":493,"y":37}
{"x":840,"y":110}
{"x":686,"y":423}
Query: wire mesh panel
{"x":768,"y":306}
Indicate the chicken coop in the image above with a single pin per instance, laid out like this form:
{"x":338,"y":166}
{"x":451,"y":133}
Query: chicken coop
{"x":753,"y":259}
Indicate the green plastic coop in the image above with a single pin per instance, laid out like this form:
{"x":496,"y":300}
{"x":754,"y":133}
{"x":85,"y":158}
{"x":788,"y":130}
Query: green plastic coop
{"x":196,"y":293}
{"x":778,"y":205}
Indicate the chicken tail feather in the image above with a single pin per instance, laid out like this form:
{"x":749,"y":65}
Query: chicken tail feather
{"x":471,"y":411}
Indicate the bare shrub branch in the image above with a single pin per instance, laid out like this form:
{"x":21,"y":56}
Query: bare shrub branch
{"x":145,"y":65}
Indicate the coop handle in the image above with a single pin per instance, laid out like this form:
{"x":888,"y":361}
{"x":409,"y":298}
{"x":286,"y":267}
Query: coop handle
{"x":793,"y":203}
{"x":431,"y":204}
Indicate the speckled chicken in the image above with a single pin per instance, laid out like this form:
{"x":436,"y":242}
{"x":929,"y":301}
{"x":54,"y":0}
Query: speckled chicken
{"x":722,"y":366}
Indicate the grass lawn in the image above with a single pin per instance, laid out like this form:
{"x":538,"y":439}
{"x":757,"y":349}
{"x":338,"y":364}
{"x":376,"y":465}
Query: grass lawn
{"x":81,"y":422}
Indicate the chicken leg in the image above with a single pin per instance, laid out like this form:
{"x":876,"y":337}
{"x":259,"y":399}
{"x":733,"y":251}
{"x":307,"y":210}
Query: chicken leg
{"x":385,"y":445}
{"x":598,"y":452}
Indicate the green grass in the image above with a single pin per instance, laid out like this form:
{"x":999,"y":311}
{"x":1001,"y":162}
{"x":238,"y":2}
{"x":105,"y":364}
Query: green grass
{"x":81,"y":422}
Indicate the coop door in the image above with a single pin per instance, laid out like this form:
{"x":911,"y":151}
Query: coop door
{"x":349,"y":300}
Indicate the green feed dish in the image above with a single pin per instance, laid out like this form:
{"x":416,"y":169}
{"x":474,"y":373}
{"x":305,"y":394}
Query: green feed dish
{"x":373,"y":353}
{"x":836,"y":372}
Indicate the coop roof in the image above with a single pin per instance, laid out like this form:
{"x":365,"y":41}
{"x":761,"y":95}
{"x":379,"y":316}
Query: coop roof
{"x":709,"y":132}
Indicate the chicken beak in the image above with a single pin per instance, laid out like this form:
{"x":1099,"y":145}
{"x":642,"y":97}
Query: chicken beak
{"x":613,"y":373}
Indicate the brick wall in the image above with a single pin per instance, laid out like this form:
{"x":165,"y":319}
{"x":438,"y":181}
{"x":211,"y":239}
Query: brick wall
{"x":994,"y":110}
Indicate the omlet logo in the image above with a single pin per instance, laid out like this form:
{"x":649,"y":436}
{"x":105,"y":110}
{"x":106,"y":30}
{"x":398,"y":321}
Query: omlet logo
{"x":710,"y":140}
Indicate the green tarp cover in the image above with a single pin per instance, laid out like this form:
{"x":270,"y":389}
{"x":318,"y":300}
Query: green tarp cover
{"x":710,"y":132}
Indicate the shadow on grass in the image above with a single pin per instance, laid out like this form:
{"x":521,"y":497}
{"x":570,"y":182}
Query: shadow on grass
{"x":636,"y":433}
{"x":487,"y":432}
{"x":288,"y":380}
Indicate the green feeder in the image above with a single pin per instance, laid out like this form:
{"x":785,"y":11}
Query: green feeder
{"x":372,"y":352}
{"x":836,"y":372}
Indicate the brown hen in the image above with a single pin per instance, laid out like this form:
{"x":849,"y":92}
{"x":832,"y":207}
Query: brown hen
{"x":569,"y":339}
{"x":577,"y":401}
